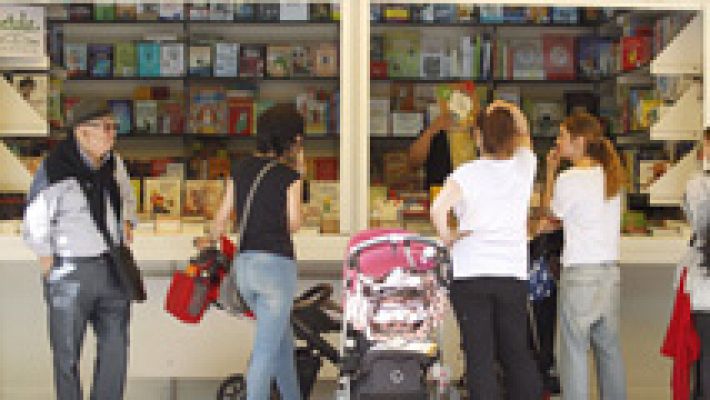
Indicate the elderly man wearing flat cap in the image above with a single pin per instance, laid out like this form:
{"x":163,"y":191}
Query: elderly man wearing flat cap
{"x":80,"y":199}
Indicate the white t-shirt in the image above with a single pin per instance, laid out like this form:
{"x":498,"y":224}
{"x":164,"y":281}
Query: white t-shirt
{"x":592,"y":223}
{"x":494,"y":207}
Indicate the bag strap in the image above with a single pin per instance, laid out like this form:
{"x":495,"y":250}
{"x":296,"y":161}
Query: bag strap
{"x":249,"y":201}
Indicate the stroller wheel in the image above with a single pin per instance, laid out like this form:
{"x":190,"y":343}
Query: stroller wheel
{"x":233,"y":388}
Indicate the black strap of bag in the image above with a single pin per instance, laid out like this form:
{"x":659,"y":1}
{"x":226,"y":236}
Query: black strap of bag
{"x":242,"y":223}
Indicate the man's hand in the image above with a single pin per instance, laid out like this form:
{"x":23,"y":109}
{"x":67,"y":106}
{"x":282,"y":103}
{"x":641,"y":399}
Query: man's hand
{"x":46,"y":264}
{"x":128,"y":232}
{"x":553,"y":162}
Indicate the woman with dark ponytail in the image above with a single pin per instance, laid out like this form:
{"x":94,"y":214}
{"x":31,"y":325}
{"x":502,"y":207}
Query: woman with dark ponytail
{"x":586,"y":198}
{"x":697,"y":261}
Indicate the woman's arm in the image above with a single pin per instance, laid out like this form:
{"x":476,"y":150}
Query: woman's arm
{"x":419,"y":150}
{"x":293,"y":205}
{"x":446,"y":200}
{"x":225,"y":209}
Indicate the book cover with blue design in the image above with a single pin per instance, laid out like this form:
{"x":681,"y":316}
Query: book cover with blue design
{"x":148,"y":59}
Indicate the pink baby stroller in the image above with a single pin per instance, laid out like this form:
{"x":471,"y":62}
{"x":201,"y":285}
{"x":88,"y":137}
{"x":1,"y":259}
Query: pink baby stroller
{"x":395,"y":289}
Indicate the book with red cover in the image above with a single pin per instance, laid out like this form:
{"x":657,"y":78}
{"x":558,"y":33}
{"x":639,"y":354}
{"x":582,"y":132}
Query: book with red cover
{"x":378,"y":69}
{"x":635,"y":51}
{"x":251,"y":60}
{"x":559,"y":57}
{"x":218,"y":168}
{"x":241,"y":116}
{"x":326,"y":168}
{"x":171,"y":118}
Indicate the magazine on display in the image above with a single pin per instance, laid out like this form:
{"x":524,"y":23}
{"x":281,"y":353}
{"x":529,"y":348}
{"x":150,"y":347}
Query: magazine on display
{"x":226,"y":60}
{"x":162,"y":196}
{"x":172,"y":59}
{"x":100,"y":57}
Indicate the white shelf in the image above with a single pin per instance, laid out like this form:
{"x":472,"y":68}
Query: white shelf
{"x":684,"y":54}
{"x":14,"y":176}
{"x":683,"y":120}
{"x":669,"y":188}
{"x":17,"y":117}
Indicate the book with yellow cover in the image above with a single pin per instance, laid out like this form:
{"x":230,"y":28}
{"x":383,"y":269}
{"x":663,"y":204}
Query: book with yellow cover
{"x":202,"y":197}
{"x":162,"y":196}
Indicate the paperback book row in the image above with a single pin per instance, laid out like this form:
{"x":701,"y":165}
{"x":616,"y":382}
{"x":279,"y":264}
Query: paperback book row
{"x":485,"y":14}
{"x":195,"y":11}
{"x":153,"y":59}
{"x":411,"y":54}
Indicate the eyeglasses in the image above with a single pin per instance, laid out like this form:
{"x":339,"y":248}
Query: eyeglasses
{"x":106,"y":126}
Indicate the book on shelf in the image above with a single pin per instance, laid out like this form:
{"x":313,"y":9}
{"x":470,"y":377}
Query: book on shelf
{"x":466,"y":13}
{"x":268,"y":12}
{"x":171,"y":117}
{"x":320,"y":12}
{"x":226,"y":63}
{"x":34,"y":89}
{"x":526,"y":59}
{"x":104,"y":12}
{"x":208,"y":110}
{"x":402,"y":96}
{"x":326,"y":64}
{"x":559,"y":57}
{"x":146,"y":116}
{"x":301,"y":61}
{"x":375,"y":13}
{"x":241,"y":114}
{"x":147,"y":11}
{"x":433,"y":57}
{"x":57,"y":12}
{"x":148,"y":55}
{"x":54,"y":103}
{"x":81,"y":12}
{"x":538,"y":15}
{"x":490,"y":14}
{"x":294,"y":11}
{"x":251,"y":60}
{"x":122,"y":110}
{"x":588,"y":57}
{"x":219,"y":167}
{"x":75,"y":59}
{"x":100,"y":58}
{"x":162,"y":196}
{"x":402,"y":53}
{"x":124,"y":59}
{"x":172,"y":59}
{"x":395,"y":166}
{"x":202,"y":198}
{"x":200,"y":60}
{"x":407,"y":124}
{"x":199,"y":10}
{"x":565,"y":15}
{"x":316,"y":121}
{"x":444,"y":13}
{"x":335,"y":11}
{"x":326,"y":168}
{"x":278,"y":61}
{"x":635,"y":51}
{"x":244,"y":12}
{"x":379,"y":117}
{"x":326,"y":195}
{"x":126,"y":11}
{"x":172,"y":11}
{"x":396,"y":13}
{"x":221,"y":11}
{"x":515,"y":15}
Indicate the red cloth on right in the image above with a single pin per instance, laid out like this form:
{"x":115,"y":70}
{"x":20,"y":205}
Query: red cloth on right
{"x":681,"y":343}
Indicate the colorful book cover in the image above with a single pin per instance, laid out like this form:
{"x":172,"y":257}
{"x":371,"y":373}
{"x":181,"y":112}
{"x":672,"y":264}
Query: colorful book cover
{"x":226,"y":59}
{"x":326,"y":168}
{"x":466,"y":13}
{"x":202,"y":198}
{"x":34,"y":89}
{"x":104,"y":12}
{"x":208,"y":110}
{"x":123,"y":112}
{"x":124,"y":59}
{"x":559,"y":57}
{"x":81,"y":12}
{"x":241,"y":115}
{"x":199,"y":10}
{"x":326,"y":64}
{"x":320,"y":12}
{"x":200,"y":60}
{"x":75,"y":59}
{"x":171,"y":119}
{"x":293,"y":12}
{"x":218,"y":167}
{"x":136,"y":187}
{"x":396,"y":13}
{"x":515,"y":15}
{"x":526,"y":57}
{"x":148,"y":11}
{"x":565,"y":15}
{"x":269,"y":12}
{"x":148,"y":54}
{"x":54,"y":103}
{"x":162,"y":196}
{"x":538,"y":15}
{"x":635,"y":51}
{"x":221,"y":11}
{"x":146,"y":114}
{"x":244,"y":12}
{"x":588,"y":56}
{"x":402,"y":53}
{"x":251,"y":60}
{"x":278,"y":61}
{"x":316,"y":118}
{"x":301,"y":61}
{"x":172,"y":11}
{"x":100,"y":60}
{"x":489,"y":14}
{"x":172,"y":59}
{"x":126,"y":11}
